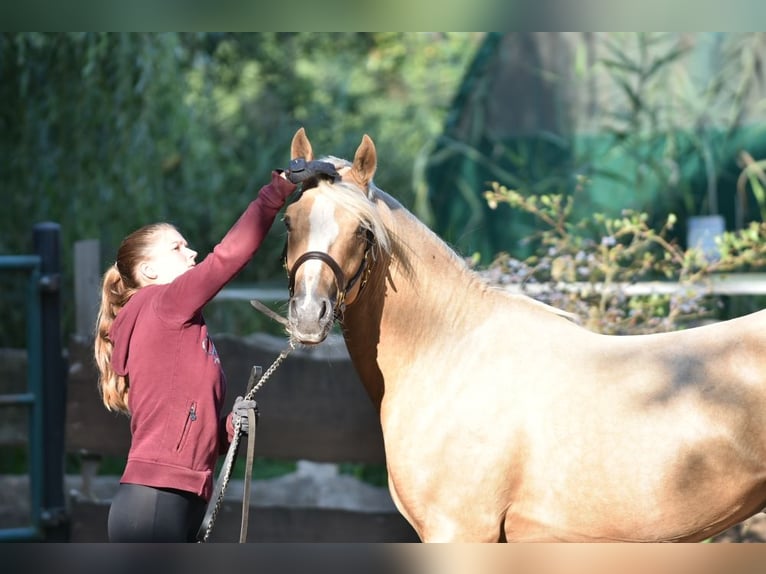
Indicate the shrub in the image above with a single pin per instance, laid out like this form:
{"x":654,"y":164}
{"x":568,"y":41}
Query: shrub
{"x":592,"y":266}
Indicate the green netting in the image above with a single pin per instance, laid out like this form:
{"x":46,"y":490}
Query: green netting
{"x":615,"y":179}
{"x":520,"y":119}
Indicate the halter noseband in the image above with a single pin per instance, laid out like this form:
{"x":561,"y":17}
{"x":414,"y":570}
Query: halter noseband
{"x":340,"y":279}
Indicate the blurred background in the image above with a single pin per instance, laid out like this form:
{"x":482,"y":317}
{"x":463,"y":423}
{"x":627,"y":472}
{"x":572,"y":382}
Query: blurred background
{"x":104,"y":132}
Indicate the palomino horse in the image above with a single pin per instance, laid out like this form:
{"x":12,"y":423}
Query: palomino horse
{"x":504,"y":420}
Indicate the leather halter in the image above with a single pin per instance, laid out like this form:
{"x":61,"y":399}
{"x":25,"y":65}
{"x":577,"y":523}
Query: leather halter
{"x":342,"y":287}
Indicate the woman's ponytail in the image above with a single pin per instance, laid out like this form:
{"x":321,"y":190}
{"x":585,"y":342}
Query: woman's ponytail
{"x":112,"y":387}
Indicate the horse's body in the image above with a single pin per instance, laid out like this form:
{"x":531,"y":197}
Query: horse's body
{"x":502,"y":419}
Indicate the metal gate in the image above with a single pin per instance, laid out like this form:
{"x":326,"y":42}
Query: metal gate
{"x":45,"y":396}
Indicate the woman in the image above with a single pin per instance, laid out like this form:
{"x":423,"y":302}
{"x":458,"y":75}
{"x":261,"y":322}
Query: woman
{"x":158,"y":365}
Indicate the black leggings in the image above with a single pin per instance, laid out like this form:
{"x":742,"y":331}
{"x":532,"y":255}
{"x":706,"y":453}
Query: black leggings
{"x":146,"y":514}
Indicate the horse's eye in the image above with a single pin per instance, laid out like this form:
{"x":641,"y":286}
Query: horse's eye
{"x":286,"y":221}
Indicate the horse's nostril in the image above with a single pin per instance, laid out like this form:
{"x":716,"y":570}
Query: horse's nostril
{"x":323,"y":310}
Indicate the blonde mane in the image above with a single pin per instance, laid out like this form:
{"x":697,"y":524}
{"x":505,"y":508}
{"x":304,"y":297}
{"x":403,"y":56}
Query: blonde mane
{"x":351,"y":198}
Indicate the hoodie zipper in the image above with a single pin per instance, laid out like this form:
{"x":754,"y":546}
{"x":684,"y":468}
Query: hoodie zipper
{"x":191,"y":416}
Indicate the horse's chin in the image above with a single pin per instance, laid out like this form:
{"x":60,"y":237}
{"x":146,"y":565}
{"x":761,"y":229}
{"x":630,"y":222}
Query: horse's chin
{"x":305,"y":337}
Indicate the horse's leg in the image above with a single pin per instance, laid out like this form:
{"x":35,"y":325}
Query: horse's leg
{"x":445,"y":529}
{"x":400,"y":506}
{"x":434,"y":526}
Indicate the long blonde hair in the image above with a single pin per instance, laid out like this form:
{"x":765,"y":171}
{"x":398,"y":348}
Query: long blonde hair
{"x":120,"y":282}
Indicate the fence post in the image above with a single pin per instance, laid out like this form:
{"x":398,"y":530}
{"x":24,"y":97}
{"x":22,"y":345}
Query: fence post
{"x":47,"y":244}
{"x":87,"y":284}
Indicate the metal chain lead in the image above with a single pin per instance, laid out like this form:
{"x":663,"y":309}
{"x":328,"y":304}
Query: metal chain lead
{"x":227,"y":474}
{"x":237,"y":432}
{"x":270,"y":371}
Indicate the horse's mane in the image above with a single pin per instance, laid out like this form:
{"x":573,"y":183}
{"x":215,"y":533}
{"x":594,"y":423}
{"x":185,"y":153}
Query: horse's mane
{"x":351,"y":198}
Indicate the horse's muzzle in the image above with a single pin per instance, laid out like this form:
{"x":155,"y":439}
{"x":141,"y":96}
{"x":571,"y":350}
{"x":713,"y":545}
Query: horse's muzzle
{"x":310,"y":319}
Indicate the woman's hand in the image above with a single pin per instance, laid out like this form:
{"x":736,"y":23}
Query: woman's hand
{"x":282,"y":184}
{"x":240,"y":413}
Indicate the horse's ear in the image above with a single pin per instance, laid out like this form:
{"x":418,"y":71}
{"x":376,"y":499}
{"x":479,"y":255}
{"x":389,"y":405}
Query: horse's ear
{"x":301,"y":146}
{"x":365,"y":162}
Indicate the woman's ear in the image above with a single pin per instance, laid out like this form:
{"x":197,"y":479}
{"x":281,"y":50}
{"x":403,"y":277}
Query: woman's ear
{"x":147,"y":271}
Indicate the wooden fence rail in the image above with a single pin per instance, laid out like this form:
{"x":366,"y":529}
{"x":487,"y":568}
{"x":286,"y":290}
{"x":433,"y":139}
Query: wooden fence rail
{"x":313,"y":407}
{"x":88,"y":272}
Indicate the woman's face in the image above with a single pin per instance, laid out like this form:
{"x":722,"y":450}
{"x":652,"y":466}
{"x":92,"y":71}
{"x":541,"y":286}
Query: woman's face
{"x":169,"y":257}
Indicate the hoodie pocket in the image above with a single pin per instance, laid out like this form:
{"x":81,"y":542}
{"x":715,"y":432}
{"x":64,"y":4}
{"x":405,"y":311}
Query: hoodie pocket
{"x":191,"y":417}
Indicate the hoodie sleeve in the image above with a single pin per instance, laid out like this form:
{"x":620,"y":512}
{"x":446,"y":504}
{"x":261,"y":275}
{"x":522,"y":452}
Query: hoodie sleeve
{"x":191,"y":291}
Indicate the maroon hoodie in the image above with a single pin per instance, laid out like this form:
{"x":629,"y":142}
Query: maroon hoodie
{"x":177,"y":385}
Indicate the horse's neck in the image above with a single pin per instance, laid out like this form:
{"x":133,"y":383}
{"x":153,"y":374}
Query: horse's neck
{"x":427,"y":283}
{"x":416,"y":297}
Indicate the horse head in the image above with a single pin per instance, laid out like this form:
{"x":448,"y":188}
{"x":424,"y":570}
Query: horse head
{"x":331,"y":234}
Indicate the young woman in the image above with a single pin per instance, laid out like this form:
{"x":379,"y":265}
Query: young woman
{"x":158,"y":364}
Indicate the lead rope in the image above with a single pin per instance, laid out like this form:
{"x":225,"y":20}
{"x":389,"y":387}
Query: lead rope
{"x":223,"y":480}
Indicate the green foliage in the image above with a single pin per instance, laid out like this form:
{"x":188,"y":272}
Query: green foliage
{"x":263,"y":468}
{"x":587,"y":266}
{"x":670,"y":128}
{"x":105,"y":132}
{"x":655,"y":122}
{"x":679,"y":106}
{"x":754,"y":176}
{"x":374,"y":474}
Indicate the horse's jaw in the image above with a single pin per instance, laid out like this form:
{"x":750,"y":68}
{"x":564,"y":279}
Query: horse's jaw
{"x":309,"y":322}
